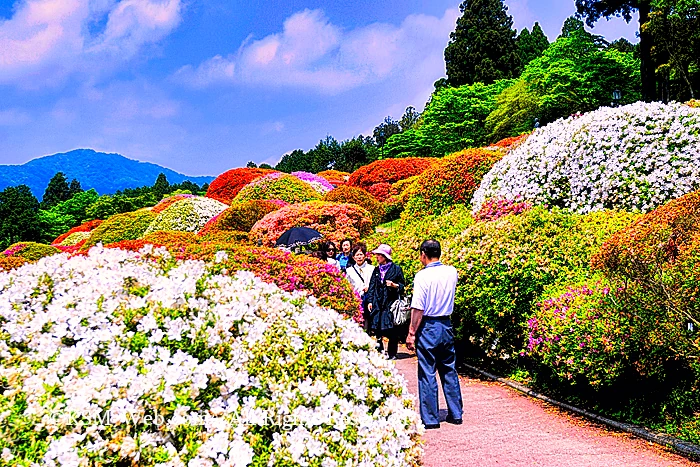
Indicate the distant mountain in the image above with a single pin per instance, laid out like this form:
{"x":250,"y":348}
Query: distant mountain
{"x":102,"y":171}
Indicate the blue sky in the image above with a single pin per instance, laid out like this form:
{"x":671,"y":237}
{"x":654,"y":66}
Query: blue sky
{"x":202,"y":86}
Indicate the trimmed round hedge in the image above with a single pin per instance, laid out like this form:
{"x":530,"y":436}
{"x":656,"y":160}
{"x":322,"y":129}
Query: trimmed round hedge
{"x":31,"y":251}
{"x":169,"y":201}
{"x":88,"y":226}
{"x":126,"y":226}
{"x":278,"y":186}
{"x":318,"y":183}
{"x":335,"y":221}
{"x":226,"y":186}
{"x":187,"y":215}
{"x":353,"y":195}
{"x":634,"y":157}
{"x":452,"y":180}
{"x":240,"y":216}
{"x":388,"y":171}
{"x":506,"y":265}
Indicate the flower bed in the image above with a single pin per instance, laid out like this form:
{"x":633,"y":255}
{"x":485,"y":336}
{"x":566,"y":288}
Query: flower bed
{"x":240,"y":216}
{"x":8,"y":263}
{"x":288,"y":271}
{"x":635,"y":157}
{"x":334,"y":221}
{"x":277,"y":186}
{"x":187,"y":215}
{"x":507,"y":264}
{"x":169,"y":201}
{"x":127,"y":226}
{"x":452,"y":180}
{"x":189,"y":367}
{"x":88,"y":226}
{"x":353,"y":195}
{"x":226,"y":186}
{"x":318,"y":183}
{"x":74,"y":238}
{"x":388,"y":171}
{"x":30,"y":251}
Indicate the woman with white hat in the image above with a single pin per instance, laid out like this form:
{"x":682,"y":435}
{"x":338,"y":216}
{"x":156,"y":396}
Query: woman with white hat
{"x":385,"y":287}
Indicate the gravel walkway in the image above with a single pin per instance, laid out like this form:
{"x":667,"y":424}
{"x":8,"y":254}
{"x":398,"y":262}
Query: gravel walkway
{"x":502,"y":427}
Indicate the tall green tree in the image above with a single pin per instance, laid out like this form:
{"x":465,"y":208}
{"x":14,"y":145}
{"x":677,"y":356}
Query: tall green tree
{"x":325,"y":155}
{"x":74,"y":188}
{"x":409,"y":118}
{"x":57,"y":191}
{"x":355,"y":153}
{"x":593,"y":10}
{"x":19,"y":216}
{"x":531,"y":45}
{"x":161,"y":186}
{"x":674,"y":26}
{"x":482,"y":47}
{"x":385,"y":130}
{"x":295,"y":161}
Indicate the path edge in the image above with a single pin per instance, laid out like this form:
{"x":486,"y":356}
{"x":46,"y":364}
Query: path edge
{"x":684,"y":448}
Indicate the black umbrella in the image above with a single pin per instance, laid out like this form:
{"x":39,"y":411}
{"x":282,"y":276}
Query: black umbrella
{"x":298,"y":236}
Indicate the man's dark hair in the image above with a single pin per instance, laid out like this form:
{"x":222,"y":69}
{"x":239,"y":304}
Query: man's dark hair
{"x":431,"y":248}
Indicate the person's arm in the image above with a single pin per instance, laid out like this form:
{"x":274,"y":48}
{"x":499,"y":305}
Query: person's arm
{"x":416,"y":318}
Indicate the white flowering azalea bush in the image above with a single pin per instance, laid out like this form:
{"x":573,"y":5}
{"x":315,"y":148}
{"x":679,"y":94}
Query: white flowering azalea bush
{"x":187,"y":215}
{"x":133,"y":358}
{"x":635,"y":157}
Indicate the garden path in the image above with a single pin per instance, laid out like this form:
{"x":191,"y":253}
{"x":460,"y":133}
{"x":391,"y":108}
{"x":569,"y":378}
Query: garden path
{"x":502,"y":427}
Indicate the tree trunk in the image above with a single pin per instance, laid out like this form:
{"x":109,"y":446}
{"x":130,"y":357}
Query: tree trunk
{"x":645,"y":44}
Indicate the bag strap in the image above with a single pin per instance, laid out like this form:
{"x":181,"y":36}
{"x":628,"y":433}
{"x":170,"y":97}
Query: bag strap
{"x":358,"y":273}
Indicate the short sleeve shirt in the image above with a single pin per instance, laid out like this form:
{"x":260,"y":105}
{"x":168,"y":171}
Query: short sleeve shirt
{"x":434,"y":290}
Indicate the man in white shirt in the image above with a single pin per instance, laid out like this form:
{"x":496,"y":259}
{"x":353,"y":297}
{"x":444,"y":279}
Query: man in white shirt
{"x":432,"y":336}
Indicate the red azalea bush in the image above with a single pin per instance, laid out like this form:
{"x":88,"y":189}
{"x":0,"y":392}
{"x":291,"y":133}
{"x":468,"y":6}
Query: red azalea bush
{"x":167,"y":202}
{"x":381,"y":191}
{"x":227,"y":185}
{"x":388,"y":171}
{"x":508,"y":144}
{"x":88,"y":226}
{"x":353,"y":195}
{"x":240,"y":217}
{"x":494,"y":208}
{"x":452,"y":180}
{"x":290,"y":272}
{"x":334,"y":220}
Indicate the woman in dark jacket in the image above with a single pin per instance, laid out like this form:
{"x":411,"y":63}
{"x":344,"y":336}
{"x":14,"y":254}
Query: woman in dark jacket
{"x":385,"y":286}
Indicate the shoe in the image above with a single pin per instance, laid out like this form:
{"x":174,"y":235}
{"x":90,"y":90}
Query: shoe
{"x":393,"y":358}
{"x":432,"y":427}
{"x":453,"y":421}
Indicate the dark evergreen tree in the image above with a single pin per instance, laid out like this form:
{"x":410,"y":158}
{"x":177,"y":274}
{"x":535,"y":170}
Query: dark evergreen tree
{"x":385,"y":130}
{"x":593,"y":10}
{"x":265,"y":166}
{"x":295,"y":161}
{"x":74,"y":188}
{"x":251,"y":165}
{"x":531,"y":45}
{"x":623,"y":45}
{"x":482,"y":47}
{"x":161,"y":186}
{"x":56,"y":192}
{"x":19,"y":216}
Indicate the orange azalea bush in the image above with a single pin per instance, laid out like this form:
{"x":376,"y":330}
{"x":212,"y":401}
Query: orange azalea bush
{"x":452,"y":180}
{"x":354,"y":195}
{"x":388,"y":171}
{"x":289,"y":271}
{"x":694,"y":103}
{"x":172,"y":239}
{"x":335,"y":221}
{"x":508,"y":144}
{"x":226,"y":186}
{"x":240,"y":217}
{"x":7,"y":263}
{"x":335,"y":177}
{"x":88,"y":226}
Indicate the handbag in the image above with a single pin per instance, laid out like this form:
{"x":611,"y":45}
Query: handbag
{"x":401,"y":310}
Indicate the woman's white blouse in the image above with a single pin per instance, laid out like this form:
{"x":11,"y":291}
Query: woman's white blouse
{"x":356,"y":281}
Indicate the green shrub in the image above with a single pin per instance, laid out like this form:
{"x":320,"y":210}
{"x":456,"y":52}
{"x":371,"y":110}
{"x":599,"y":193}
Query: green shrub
{"x":30,"y":251}
{"x":406,"y":235}
{"x":505,"y":266}
{"x":277,"y":186}
{"x":126,"y":226}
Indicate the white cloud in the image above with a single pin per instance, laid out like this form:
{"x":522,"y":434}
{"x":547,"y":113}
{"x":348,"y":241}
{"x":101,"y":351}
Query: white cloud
{"x":46,"y":40}
{"x":311,"y":52}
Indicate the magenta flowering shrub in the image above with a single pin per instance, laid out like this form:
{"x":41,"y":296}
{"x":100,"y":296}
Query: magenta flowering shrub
{"x":583,"y":335}
{"x":495,"y":208}
{"x":318,"y":183}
